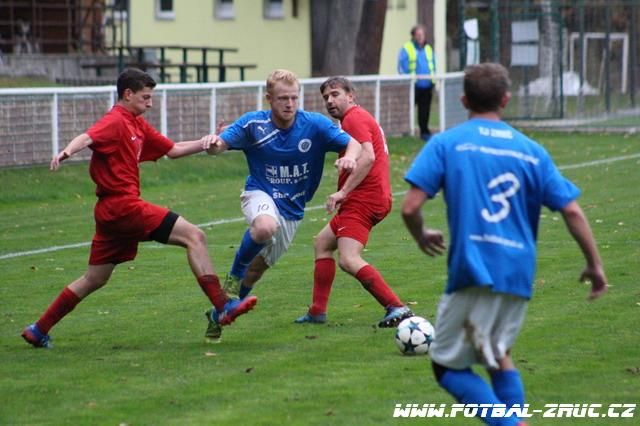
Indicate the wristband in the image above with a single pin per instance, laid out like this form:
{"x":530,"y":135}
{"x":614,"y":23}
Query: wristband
{"x":64,"y":156}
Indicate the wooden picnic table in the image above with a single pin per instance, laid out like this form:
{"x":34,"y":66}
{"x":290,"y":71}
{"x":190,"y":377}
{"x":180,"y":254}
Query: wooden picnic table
{"x":202,"y":71}
{"x":202,"y":67}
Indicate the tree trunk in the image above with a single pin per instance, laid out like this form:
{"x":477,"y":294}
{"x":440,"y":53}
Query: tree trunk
{"x":345,"y":21}
{"x":369,"y":41}
{"x":319,"y":29}
{"x":425,"y":17}
{"x":549,"y":58}
{"x":334,"y":31}
{"x":549,"y":41}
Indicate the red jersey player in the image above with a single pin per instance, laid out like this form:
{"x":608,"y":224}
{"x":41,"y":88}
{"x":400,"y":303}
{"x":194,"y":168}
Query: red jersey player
{"x":363,"y":199}
{"x":121,"y":140}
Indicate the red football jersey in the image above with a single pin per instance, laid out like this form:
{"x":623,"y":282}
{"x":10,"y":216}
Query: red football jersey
{"x":120,"y":142}
{"x":376,"y":186}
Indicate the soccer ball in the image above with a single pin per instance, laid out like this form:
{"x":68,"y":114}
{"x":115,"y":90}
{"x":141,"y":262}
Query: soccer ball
{"x":414,"y":336}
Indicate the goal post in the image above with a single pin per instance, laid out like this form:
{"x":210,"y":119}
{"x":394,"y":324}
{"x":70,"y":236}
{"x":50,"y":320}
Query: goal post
{"x":450,"y":88}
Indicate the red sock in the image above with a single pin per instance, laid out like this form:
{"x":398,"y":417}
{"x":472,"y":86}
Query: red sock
{"x":61,"y":306}
{"x":373,"y":282}
{"x":323,"y":274}
{"x":210,"y":284}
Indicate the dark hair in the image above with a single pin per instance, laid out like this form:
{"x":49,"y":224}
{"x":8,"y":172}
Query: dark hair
{"x":415,"y":28}
{"x":485,"y":85}
{"x":133,"y":79}
{"x":340,"y":82}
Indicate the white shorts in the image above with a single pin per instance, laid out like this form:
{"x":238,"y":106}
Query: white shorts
{"x":256,"y":203}
{"x":476,"y":326}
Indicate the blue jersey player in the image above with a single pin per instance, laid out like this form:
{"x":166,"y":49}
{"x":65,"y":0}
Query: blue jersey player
{"x":285,"y":149}
{"x":494,"y":181}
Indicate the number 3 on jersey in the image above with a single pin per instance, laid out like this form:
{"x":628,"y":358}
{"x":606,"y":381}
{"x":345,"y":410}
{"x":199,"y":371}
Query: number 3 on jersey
{"x":501,"y":197}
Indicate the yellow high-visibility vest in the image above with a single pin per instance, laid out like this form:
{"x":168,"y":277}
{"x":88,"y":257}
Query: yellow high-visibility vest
{"x":413,"y":56}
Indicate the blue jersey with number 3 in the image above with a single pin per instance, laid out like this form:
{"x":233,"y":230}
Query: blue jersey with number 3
{"x":495,"y":181}
{"x":285,"y":163}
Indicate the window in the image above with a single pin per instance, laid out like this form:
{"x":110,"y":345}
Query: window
{"x":400,"y":4}
{"x":164,"y":9}
{"x":121,"y":5}
{"x":273,"y":9}
{"x":224,"y":9}
{"x":118,"y":9}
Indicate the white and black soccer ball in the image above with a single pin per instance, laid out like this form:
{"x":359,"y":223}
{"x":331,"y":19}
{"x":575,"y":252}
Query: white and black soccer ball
{"x":414,"y":336}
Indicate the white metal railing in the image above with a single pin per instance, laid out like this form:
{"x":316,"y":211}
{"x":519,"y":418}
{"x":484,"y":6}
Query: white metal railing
{"x":189,"y":111}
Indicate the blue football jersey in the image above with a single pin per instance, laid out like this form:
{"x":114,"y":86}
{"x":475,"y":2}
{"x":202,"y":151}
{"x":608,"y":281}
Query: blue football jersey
{"x":495,"y":181}
{"x":285,"y":163}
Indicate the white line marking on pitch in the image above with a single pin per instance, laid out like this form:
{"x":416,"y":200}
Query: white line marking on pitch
{"x":240,"y":219}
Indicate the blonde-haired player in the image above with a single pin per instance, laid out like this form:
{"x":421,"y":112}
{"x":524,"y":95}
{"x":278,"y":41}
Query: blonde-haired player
{"x":285,"y":149}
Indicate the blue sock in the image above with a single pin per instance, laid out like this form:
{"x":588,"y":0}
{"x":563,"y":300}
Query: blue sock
{"x":244,"y":291}
{"x":469,"y":388}
{"x":247,"y":251}
{"x":507,"y":384}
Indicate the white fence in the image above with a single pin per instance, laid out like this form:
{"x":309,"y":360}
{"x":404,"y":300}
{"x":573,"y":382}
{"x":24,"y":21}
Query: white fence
{"x":36,"y":123}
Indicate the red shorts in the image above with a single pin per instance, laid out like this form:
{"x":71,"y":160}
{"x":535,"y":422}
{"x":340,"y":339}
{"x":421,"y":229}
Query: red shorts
{"x":355,"y":220}
{"x":121,"y":223}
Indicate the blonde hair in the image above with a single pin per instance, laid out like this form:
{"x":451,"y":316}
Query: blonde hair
{"x":283,"y":75}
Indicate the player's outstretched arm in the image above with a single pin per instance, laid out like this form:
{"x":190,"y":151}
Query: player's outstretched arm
{"x":213,"y":144}
{"x":77,"y":144}
{"x":182,"y":149}
{"x":430,"y":241}
{"x":363,"y":166}
{"x":347,"y":162}
{"x":579,"y":228}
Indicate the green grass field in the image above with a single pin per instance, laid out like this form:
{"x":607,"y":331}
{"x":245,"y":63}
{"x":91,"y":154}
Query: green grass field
{"x":11,"y":82}
{"x":133,"y":353}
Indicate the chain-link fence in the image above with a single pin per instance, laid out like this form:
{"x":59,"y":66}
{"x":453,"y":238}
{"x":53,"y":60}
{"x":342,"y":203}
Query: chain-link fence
{"x":573,"y":64}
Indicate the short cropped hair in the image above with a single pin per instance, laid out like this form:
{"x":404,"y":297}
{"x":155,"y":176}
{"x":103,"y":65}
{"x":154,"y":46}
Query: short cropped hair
{"x":340,"y":82}
{"x":285,"y":76}
{"x":133,"y":79}
{"x":484,"y":86}
{"x":416,"y":27}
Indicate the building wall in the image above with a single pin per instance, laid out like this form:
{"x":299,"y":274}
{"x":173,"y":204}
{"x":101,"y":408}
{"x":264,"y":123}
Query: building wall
{"x":401,"y":16}
{"x":268,"y":43}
